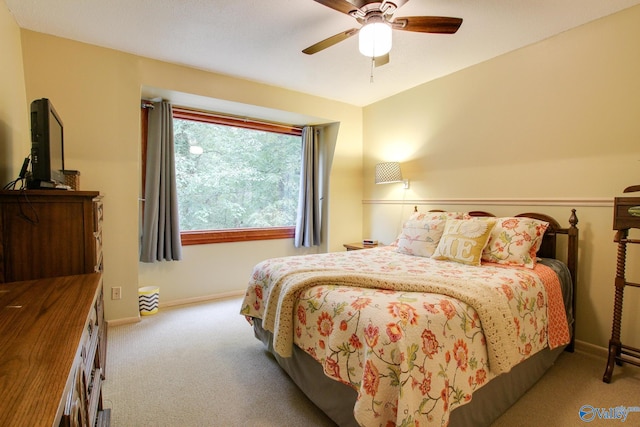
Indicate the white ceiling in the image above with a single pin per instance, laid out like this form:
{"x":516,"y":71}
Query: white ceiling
{"x":262,"y":40}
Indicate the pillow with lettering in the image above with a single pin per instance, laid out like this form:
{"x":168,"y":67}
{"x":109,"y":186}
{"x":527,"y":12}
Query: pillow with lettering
{"x":463,"y":240}
{"x":515,"y":241}
{"x":420,"y":238}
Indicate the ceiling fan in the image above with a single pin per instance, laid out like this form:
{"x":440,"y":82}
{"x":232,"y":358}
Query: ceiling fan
{"x":376,"y":18}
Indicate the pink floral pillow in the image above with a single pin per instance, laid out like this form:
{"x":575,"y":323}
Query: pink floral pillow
{"x":420,"y":238}
{"x":515,"y":241}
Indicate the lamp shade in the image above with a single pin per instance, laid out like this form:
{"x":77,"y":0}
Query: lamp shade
{"x":374,"y":39}
{"x":388,"y":172}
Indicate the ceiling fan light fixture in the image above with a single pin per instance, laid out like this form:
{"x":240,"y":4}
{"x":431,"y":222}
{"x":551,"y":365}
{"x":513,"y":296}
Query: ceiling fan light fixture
{"x":375,"y":39}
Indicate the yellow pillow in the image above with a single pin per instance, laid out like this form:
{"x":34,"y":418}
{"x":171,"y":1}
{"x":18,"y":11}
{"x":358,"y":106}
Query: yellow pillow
{"x":464,"y":239}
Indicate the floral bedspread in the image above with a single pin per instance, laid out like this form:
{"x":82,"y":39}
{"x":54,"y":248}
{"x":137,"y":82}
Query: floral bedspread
{"x":412,"y":356}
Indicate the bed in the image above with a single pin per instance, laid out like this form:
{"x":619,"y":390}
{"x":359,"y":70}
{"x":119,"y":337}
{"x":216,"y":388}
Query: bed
{"x":449,"y":325}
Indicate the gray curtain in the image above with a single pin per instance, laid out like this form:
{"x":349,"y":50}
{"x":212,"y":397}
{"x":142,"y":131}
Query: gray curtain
{"x":160,"y":230}
{"x":308,"y":220}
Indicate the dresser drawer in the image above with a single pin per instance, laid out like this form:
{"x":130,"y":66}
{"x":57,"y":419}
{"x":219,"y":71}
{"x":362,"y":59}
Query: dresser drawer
{"x":75,"y":410}
{"x":98,"y":214}
{"x":626,"y":213}
{"x":93,"y":395}
{"x":89,"y":347}
{"x":98,"y":261}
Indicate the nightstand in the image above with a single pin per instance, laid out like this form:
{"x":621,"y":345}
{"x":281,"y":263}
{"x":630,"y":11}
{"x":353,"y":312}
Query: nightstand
{"x":357,"y":246}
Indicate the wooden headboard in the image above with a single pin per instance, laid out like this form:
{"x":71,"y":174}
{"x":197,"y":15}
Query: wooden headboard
{"x":549,"y":248}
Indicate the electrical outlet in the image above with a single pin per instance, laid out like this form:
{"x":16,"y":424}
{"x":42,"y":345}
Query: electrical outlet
{"x":116,"y":293}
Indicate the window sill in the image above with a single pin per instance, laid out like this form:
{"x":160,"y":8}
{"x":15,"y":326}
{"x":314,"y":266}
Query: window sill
{"x":235,"y":235}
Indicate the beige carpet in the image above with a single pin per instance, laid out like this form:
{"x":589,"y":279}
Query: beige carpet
{"x":199,"y":365}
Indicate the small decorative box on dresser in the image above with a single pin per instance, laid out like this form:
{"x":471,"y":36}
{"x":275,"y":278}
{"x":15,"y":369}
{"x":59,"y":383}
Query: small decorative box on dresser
{"x":52,"y":349}
{"x":626,"y":216}
{"x":49,"y":233}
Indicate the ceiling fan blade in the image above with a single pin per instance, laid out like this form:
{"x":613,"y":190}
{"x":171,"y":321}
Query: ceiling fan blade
{"x":427,"y":24}
{"x":379,"y":61}
{"x":328,"y":42}
{"x":339,"y":5}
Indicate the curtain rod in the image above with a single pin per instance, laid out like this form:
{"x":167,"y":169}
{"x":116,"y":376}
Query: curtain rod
{"x":149,"y":104}
{"x":239,"y":118}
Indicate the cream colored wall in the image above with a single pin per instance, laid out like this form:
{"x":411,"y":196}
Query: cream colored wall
{"x":573,"y":99}
{"x":97,"y":92}
{"x":14,"y":114}
{"x":548,"y":127}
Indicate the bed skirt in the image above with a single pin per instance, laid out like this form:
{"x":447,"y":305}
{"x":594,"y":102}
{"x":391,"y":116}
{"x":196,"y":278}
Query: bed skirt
{"x":337,"y":400}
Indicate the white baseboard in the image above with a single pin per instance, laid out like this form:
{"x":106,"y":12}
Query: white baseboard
{"x":124,"y":321}
{"x":184,"y":301}
{"x":580,"y":346}
{"x":220,"y":296}
{"x":592,"y":349}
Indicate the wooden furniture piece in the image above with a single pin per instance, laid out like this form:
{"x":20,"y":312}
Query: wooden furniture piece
{"x":626,"y":216}
{"x":357,"y":246}
{"x":52,"y":349}
{"x":49,"y":233}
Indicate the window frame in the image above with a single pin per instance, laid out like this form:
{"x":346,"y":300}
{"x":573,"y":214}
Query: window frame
{"x":201,"y":237}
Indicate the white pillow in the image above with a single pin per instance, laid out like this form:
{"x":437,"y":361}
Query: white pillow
{"x":419,"y":237}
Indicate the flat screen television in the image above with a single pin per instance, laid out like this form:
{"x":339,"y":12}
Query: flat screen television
{"x":47,"y":146}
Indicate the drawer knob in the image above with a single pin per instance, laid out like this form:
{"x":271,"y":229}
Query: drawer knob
{"x":634,"y":211}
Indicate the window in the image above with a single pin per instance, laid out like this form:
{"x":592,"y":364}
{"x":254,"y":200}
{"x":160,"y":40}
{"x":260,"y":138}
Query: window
{"x":236,"y":179}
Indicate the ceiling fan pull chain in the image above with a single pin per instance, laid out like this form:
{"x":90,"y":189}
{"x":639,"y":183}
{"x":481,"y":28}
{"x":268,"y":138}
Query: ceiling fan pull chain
{"x":373,"y":62}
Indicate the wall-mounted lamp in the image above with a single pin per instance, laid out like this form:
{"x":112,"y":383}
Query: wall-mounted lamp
{"x":390,"y":172}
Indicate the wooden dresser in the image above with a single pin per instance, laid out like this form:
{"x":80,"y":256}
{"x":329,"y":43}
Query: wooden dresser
{"x":49,"y":233}
{"x":52,"y":348}
{"x":626,"y":216}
